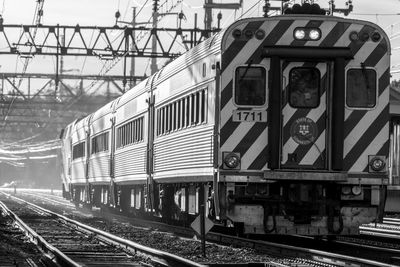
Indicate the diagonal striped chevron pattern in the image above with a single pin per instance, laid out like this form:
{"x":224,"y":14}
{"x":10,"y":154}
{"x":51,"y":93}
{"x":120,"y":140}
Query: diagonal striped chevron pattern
{"x":366,"y":131}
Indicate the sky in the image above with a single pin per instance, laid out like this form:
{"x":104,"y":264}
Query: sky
{"x":386,"y":13}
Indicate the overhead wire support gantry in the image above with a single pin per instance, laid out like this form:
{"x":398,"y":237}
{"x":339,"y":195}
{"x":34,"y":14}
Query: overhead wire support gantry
{"x":77,"y":41}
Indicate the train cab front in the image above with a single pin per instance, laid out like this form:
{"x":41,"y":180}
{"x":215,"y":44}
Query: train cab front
{"x":304,"y":128}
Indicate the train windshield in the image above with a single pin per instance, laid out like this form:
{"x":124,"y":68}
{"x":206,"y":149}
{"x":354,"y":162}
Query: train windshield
{"x":304,"y":86}
{"x":250,"y":86}
{"x":361,"y":88}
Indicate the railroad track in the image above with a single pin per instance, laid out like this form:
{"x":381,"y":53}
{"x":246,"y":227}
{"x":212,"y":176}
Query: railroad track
{"x":71,"y":243}
{"x":297,"y":253}
{"x":389,"y":228}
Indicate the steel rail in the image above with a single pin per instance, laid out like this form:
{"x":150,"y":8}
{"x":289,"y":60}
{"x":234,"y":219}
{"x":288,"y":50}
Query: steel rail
{"x":276,"y":248}
{"x":333,"y":257}
{"x":56,"y":255}
{"x":379,"y":231}
{"x":164,"y":258}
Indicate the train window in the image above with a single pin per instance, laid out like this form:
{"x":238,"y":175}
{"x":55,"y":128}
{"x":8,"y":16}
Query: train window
{"x":179,"y":115}
{"x":163,"y":120}
{"x":171,"y":118}
{"x":167,"y":119}
{"x":193,"y":109}
{"x":158,"y":122}
{"x":100,"y":143}
{"x":250,"y":86}
{"x":203,"y":106}
{"x":183,"y":113}
{"x":78,"y":151}
{"x":175,"y":117}
{"x":197,"y":120}
{"x":187,"y":111}
{"x":361,"y":88}
{"x":304,"y":84}
{"x":129,"y":133}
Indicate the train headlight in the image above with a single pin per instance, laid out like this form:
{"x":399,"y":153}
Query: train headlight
{"x":376,"y":163}
{"x":307,"y":34}
{"x":314,"y":34}
{"x":300,"y":34}
{"x":231,"y":160}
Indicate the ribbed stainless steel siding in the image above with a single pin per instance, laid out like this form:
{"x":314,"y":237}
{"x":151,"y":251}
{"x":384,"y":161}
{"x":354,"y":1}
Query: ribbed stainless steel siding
{"x":78,"y":171}
{"x":99,"y":168}
{"x":130,"y":160}
{"x":190,"y":149}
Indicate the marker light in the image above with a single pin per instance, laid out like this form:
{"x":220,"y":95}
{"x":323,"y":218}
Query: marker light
{"x":232,"y":160}
{"x":377,"y":164}
{"x":248,"y":34}
{"x":260,"y":34}
{"x":236,"y":33}
{"x":314,"y":34}
{"x":299,"y":34}
{"x":353,"y":36}
{"x":375,"y":37}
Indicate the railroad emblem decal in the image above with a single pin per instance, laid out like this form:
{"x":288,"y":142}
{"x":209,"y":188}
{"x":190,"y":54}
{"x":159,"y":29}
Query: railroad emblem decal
{"x":304,"y":131}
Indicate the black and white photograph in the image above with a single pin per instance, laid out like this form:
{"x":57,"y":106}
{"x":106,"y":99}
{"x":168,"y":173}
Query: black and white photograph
{"x":189,"y":133}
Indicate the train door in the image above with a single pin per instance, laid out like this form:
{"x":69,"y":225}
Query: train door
{"x":304,"y":115}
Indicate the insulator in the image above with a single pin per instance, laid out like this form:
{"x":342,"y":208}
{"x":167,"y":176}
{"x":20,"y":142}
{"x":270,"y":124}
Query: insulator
{"x":219,"y":16}
{"x":117,"y":14}
{"x":181,"y":15}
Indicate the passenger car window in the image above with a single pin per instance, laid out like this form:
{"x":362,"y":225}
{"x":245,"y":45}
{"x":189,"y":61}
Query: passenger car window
{"x":361,"y":88}
{"x":304,"y":84}
{"x":250,"y":86}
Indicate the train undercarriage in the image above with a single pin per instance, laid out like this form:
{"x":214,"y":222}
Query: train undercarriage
{"x":307,"y":208}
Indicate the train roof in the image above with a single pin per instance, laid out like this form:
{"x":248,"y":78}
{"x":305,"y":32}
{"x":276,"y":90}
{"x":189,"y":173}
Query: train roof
{"x":310,"y":17}
{"x":107,"y":108}
{"x":140,"y":88}
{"x":210,"y":46}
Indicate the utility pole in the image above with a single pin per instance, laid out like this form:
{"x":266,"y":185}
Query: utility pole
{"x":209,"y":6}
{"x":132,"y":71}
{"x":153,"y":66}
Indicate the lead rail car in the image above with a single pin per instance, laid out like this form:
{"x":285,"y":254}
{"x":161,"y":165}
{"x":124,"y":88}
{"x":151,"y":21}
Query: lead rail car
{"x":274,"y":125}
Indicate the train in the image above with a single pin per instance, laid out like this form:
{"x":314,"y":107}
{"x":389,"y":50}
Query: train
{"x":274,"y":125}
{"x":392,"y":206}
